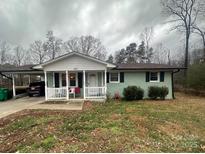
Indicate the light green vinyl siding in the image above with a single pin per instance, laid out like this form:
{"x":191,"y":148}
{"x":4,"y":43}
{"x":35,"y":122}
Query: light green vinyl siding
{"x":138,"y":79}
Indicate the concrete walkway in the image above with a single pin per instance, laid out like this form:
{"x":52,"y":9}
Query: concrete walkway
{"x":15,"y":105}
{"x":67,"y":106}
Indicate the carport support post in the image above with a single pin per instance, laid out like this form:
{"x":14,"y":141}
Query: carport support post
{"x":46,"y":92}
{"x":105,"y":83}
{"x":67,"y":87}
{"x":84,"y":84}
{"x":13,"y":82}
{"x":29,"y":79}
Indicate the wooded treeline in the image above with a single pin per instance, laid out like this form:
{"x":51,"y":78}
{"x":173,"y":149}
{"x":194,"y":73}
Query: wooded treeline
{"x":42,"y":50}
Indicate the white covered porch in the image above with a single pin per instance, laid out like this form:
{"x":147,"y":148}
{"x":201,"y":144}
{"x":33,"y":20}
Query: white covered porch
{"x":75,"y":85}
{"x":75,"y":76}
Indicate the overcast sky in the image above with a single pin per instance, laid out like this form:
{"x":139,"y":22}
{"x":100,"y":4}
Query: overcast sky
{"x":116,"y":22}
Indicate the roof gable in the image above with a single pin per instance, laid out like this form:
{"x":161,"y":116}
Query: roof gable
{"x":40,"y":66}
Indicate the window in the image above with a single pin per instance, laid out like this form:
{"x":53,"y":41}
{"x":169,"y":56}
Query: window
{"x":72,"y":79}
{"x":63,"y":80}
{"x":154,"y":77}
{"x":114,"y":77}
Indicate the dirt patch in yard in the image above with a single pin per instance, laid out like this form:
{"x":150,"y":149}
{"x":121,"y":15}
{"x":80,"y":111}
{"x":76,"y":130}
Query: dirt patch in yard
{"x":171,"y":128}
{"x":87,"y":105}
{"x":115,"y":116}
{"x":130,"y":110}
{"x":136,"y":118}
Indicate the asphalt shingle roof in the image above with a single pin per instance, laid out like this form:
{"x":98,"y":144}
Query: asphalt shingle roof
{"x":11,"y":68}
{"x":144,"y":66}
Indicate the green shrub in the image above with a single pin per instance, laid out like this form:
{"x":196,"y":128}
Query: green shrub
{"x":155,"y":92}
{"x":133,"y":93}
{"x":163,"y":92}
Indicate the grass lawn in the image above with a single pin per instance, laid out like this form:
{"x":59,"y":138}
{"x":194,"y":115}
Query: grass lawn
{"x":144,"y":126}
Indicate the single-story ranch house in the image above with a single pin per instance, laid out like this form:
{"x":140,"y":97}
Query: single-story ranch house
{"x":79,"y":76}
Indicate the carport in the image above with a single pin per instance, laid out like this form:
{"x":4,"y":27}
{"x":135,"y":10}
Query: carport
{"x":11,"y":73}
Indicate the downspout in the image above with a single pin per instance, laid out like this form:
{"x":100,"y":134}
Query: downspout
{"x":173,"y":96}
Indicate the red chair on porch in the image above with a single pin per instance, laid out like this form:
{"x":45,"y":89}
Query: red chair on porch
{"x":77,"y":90}
{"x":74,"y":91}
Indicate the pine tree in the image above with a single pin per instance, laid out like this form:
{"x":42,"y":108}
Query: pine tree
{"x":120,"y":56}
{"x":110,"y":59}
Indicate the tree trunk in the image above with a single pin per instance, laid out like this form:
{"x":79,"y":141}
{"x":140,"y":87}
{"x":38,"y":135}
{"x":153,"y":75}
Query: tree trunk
{"x":204,"y":55}
{"x":186,"y":54}
{"x":204,"y":48}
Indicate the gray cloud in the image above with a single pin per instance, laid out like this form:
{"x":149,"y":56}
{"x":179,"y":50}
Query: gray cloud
{"x":115,"y":22}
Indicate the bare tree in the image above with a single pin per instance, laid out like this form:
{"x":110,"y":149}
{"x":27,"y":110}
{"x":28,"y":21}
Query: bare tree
{"x":53,"y":45}
{"x":161,"y":55}
{"x":146,"y":37}
{"x":88,"y":45}
{"x":37,"y":51}
{"x":72,"y":45}
{"x":201,"y":33}
{"x":19,"y":55}
{"x":183,"y":14}
{"x":4,"y":49}
{"x":28,"y":59}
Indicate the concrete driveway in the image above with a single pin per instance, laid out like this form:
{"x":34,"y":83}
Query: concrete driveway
{"x":15,"y":105}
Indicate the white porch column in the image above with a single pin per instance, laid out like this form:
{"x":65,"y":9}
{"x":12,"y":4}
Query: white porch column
{"x":67,"y":86}
{"x":13,"y":82}
{"x":102,"y":84}
{"x":29,"y":79}
{"x":46,"y":86}
{"x":105,"y":83}
{"x":84,"y":84}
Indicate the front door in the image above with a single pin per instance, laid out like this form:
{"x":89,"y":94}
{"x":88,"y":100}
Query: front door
{"x":92,"y":79}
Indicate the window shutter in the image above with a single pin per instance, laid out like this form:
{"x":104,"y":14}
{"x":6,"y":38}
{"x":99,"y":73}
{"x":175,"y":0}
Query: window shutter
{"x":161,"y":76}
{"x":147,"y":76}
{"x":108,"y":77}
{"x":56,"y":76}
{"x":121,"y":76}
{"x":80,"y":79}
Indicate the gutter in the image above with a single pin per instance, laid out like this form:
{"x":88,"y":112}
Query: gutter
{"x":5,"y":76}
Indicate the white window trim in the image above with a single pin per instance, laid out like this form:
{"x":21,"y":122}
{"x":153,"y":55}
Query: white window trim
{"x":158,"y":77}
{"x":118,"y":81}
